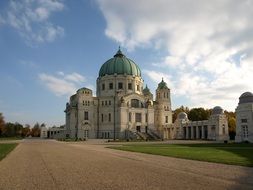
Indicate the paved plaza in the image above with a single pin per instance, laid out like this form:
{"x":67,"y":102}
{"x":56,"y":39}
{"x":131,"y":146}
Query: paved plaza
{"x":49,"y":164}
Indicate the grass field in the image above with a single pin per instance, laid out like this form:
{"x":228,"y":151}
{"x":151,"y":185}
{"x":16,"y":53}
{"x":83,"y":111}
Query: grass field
{"x":10,"y":138}
{"x":6,"y":148}
{"x":235,"y":154}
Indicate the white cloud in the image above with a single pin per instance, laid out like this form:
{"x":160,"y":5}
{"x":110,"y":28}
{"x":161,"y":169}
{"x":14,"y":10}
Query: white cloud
{"x":60,"y":73}
{"x":158,"y":76}
{"x":209,"y":44}
{"x":58,"y":86}
{"x":31,"y":19}
{"x":75,"y":77}
{"x":62,"y":84}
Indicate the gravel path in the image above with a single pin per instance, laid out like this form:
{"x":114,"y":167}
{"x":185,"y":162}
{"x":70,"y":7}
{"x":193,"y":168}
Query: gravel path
{"x":46,"y":164}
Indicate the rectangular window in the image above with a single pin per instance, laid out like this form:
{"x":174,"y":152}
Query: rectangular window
{"x":166,"y":119}
{"x":244,"y":120}
{"x":120,"y":85}
{"x":103,"y":86}
{"x":130,"y":117}
{"x":111,"y":86}
{"x":102,"y":103}
{"x":109,"y":102}
{"x":86,"y":115}
{"x":138,"y":87}
{"x":109,"y":117}
{"x":106,"y":103}
{"x":137,"y":117}
{"x":102,"y":117}
{"x":129,"y":86}
{"x":245,"y":131}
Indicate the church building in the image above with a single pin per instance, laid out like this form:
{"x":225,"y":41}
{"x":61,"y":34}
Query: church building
{"x":122,"y":107}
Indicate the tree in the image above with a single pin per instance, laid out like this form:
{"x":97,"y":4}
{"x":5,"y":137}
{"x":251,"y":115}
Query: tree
{"x":231,"y":124}
{"x":26,"y":131}
{"x":35,"y":132}
{"x":198,"y":114}
{"x":232,"y":127}
{"x":13,"y":129}
{"x":2,"y":124}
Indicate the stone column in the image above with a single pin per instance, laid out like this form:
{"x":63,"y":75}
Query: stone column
{"x":192,"y":132}
{"x":197,"y":132}
{"x":187,"y":132}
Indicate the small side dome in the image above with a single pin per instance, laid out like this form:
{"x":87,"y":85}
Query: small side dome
{"x":182,"y":115}
{"x":246,"y":97}
{"x":217,"y":110}
{"x":146,"y":91}
{"x":162,"y":85}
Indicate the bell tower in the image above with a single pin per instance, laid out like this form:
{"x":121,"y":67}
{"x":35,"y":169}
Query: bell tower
{"x":163,"y":112}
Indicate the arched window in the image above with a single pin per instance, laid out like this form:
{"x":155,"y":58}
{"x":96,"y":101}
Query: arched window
{"x":135,"y":103}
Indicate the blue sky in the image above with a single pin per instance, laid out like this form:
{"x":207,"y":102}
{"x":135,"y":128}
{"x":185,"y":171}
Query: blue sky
{"x":49,"y":49}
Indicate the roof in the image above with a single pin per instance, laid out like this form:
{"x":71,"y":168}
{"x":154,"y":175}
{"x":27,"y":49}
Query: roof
{"x":246,"y":97}
{"x":119,"y":64}
{"x":182,"y":115}
{"x":84,"y":88}
{"x":162,"y":85}
{"x":146,"y":90}
{"x":217,"y":110}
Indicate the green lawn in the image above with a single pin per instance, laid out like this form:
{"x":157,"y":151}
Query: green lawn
{"x":10,"y":138}
{"x":6,"y":148}
{"x":235,"y":154}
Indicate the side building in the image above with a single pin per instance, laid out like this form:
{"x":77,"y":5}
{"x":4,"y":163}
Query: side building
{"x":52,"y":132}
{"x":215,"y":128}
{"x":244,"y":118}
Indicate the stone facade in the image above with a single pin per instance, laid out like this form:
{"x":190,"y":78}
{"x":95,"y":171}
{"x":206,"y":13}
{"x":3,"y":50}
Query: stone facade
{"x":244,"y":118}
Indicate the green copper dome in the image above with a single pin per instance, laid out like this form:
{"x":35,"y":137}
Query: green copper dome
{"x":162,"y":85}
{"x":146,"y":90}
{"x":119,"y":64}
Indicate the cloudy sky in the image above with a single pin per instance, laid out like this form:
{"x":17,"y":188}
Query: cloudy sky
{"x":49,"y":48}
